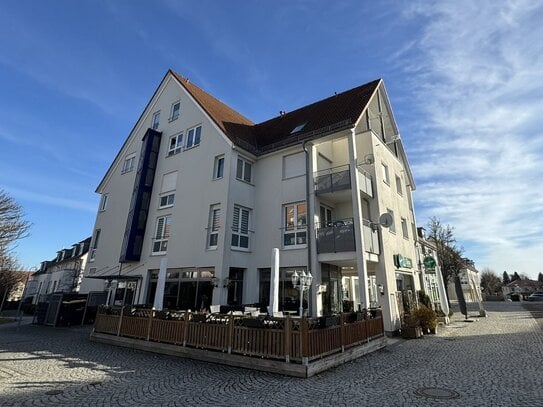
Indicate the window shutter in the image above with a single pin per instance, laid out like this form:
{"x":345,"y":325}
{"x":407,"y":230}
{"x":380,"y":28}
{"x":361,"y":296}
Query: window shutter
{"x":244,"y":221}
{"x":235,"y":220}
{"x":216,"y":220}
{"x":159,"y":228}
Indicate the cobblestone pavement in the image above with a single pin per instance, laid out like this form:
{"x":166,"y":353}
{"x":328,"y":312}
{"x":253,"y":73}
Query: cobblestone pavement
{"x":493,"y":361}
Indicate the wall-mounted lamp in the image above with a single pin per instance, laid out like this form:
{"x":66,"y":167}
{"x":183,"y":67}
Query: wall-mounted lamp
{"x":226,"y":282}
{"x":381,"y":289}
{"x":215,"y":281}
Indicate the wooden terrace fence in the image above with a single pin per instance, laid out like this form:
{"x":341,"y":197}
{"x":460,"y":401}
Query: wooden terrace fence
{"x":297,"y":340}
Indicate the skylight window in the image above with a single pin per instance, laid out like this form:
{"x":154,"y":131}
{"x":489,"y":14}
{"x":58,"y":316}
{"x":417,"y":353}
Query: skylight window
{"x":298,"y":128}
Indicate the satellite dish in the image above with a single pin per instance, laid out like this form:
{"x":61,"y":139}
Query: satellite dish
{"x":386,"y":220}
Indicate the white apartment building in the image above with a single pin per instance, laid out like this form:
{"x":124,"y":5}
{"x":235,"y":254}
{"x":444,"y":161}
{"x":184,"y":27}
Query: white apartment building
{"x":63,"y":274}
{"x":206,"y":193}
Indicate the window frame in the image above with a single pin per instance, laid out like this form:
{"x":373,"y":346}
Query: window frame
{"x":95,"y":242}
{"x":214,"y":225}
{"x":392,"y":227}
{"x":296,"y":228}
{"x":245,"y":163}
{"x":178,"y":144}
{"x":238,"y":230}
{"x":399,"y":188}
{"x":155,"y":120}
{"x":217,"y":166}
{"x":192,"y":137}
{"x":173,"y":115}
{"x":166,"y":195}
{"x":103,"y":202}
{"x":405,"y":229}
{"x":385,"y":173}
{"x":164,"y":237}
{"x":131,"y":158}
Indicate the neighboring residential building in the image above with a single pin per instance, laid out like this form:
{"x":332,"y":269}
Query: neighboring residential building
{"x":471,"y":284}
{"x":523,"y":286}
{"x":206,"y":194}
{"x":430,"y":272}
{"x":62,"y":274}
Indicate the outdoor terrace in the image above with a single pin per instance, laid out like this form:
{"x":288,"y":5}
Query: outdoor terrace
{"x":287,"y":345}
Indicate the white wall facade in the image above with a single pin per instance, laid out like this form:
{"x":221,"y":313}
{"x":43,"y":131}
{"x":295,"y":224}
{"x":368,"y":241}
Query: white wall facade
{"x":277,"y":179}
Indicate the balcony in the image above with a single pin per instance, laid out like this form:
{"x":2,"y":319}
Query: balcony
{"x":338,"y":236}
{"x":332,"y":180}
{"x":338,"y":179}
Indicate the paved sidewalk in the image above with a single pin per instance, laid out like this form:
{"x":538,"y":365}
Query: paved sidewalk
{"x":493,"y":361}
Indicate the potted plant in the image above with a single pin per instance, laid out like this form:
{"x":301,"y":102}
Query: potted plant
{"x":427,"y":319}
{"x":411,"y":327}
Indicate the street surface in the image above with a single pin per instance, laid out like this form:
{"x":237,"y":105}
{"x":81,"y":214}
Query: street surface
{"x":493,"y":361}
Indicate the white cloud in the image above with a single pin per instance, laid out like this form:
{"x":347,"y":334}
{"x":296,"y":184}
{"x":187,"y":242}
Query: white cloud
{"x":477,"y":150}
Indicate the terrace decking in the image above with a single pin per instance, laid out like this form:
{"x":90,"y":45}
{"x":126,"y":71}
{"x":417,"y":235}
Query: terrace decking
{"x":293,"y":346}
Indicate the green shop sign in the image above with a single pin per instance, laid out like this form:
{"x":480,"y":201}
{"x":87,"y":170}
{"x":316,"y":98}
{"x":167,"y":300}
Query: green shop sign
{"x":429,"y":264}
{"x":402,"y":262}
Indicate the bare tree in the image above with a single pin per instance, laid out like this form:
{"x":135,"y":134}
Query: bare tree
{"x":13,"y":227}
{"x":448,"y":254}
{"x":490,"y":282}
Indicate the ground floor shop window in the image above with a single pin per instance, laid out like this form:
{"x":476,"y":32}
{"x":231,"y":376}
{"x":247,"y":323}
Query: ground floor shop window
{"x":289,"y":296}
{"x":332,"y":299}
{"x":185,"y":288}
{"x":235,"y":286}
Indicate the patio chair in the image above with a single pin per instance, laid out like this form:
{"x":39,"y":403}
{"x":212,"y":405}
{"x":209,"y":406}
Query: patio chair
{"x":215,"y":309}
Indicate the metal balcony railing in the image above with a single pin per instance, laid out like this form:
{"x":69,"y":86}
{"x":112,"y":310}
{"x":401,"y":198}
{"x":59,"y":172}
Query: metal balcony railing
{"x":332,"y":179}
{"x":338,"y":236}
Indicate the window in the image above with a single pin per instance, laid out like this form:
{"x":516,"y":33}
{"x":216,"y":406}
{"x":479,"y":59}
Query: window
{"x":103,"y":203}
{"x":95,"y":244}
{"x":298,"y":128}
{"x":399,"y":185}
{"x":166,"y":201}
{"x":404,"y":229}
{"x":128,"y":164}
{"x":176,"y":107}
{"x":295,"y":224}
{"x":243,"y":170}
{"x":162,"y":233}
{"x":176,"y":143}
{"x":293,"y":165}
{"x":218,"y":168}
{"x":325,"y":216}
{"x":392,"y":227}
{"x":240,"y":228}
{"x":214,"y":224}
{"x":156,"y":120}
{"x":386,"y":177}
{"x":193,"y":136}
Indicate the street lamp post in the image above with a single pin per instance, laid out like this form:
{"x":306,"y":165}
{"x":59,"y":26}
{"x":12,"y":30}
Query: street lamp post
{"x":302,"y":282}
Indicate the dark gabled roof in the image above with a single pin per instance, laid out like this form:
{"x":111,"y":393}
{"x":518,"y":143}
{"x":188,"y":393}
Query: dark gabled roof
{"x":233,"y":124}
{"x":335,"y":112}
{"x":340,"y":110}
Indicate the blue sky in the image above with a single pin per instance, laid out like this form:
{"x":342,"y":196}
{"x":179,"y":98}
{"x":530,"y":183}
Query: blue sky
{"x":464,"y":79}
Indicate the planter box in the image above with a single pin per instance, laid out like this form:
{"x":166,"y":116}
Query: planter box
{"x":409,"y":332}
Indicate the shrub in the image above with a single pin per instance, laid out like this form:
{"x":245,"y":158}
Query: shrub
{"x":426,"y":317}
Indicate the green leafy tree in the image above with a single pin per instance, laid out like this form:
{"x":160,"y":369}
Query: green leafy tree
{"x":506,"y":279}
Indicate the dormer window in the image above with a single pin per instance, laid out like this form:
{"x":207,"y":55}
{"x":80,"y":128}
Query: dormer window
{"x":298,"y":128}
